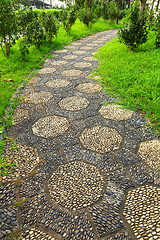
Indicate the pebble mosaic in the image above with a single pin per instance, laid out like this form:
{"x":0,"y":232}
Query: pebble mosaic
{"x":74,"y":103}
{"x":20,"y":115}
{"x":39,"y":97}
{"x":115,"y":112}
{"x":35,"y":234}
{"x":70,"y":57}
{"x":142,"y":212}
{"x":47,"y":70}
{"x":71,"y":73}
{"x":100,"y":139}
{"x":82,"y":65}
{"x":89,"y":87}
{"x":50,"y":126}
{"x":25,"y":158}
{"x":57,"y":83}
{"x":58,"y":63}
{"x":149,"y":151}
{"x":76,"y":185}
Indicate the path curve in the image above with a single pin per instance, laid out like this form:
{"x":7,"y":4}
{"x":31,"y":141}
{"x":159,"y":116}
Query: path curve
{"x":85,"y":170}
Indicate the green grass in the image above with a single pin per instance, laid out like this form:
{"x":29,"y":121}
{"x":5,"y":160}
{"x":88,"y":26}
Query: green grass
{"x":133,"y":76}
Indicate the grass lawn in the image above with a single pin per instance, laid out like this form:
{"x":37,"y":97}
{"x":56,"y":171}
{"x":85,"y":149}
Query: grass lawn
{"x":133,"y":76}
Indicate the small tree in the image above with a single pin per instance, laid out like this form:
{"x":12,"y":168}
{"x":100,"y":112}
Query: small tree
{"x":137,"y":32}
{"x":35,"y":33}
{"x":50,"y":24}
{"x":88,"y":14}
{"x":8,"y":25}
{"x":112,"y":11}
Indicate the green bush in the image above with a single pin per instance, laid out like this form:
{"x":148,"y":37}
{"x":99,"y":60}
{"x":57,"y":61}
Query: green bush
{"x":136,"y":33}
{"x":68,"y":18}
{"x":55,"y":12}
{"x":88,"y":15}
{"x":35,"y":33}
{"x":50,"y":24}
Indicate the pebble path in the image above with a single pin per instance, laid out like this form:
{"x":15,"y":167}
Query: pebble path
{"x":85,"y":170}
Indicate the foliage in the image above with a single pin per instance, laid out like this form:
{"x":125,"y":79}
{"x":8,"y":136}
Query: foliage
{"x":137,"y":32}
{"x":24,"y":17}
{"x":133,"y":76}
{"x":8,"y":25}
{"x":105,"y":9}
{"x":35,"y":33}
{"x":55,"y":12}
{"x":50,"y":25}
{"x":24,"y":49}
{"x":157,"y":30}
{"x":68,"y":18}
{"x":112,"y":11}
{"x":88,"y":15}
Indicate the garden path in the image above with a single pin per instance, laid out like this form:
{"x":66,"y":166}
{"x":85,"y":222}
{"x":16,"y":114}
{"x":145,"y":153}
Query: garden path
{"x":85,"y":170}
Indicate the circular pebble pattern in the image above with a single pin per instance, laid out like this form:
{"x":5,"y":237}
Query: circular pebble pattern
{"x":76,"y":43}
{"x":149,"y":151}
{"x":86,"y":48}
{"x":34,"y":234}
{"x":74,"y":103}
{"x":76,"y":185}
{"x":20,"y":115}
{"x":61,"y":51}
{"x":70,"y":47}
{"x":25,"y":158}
{"x":92,"y":44}
{"x":50,"y":126}
{"x":39,"y":97}
{"x":142,"y":212}
{"x":47,"y":70}
{"x":100,"y":139}
{"x":82,"y":65}
{"x":79,"y":52}
{"x":115,"y":112}
{"x":58,"y":63}
{"x":57,"y":83}
{"x":90,"y":59}
{"x":89,"y":87}
{"x":70,"y":57}
{"x":71,"y":73}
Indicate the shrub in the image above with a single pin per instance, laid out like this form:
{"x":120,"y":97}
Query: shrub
{"x":50,"y":25}
{"x":136,"y":33}
{"x":8,"y":25}
{"x":88,"y":15}
{"x":35,"y":33}
{"x":68,"y":18}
